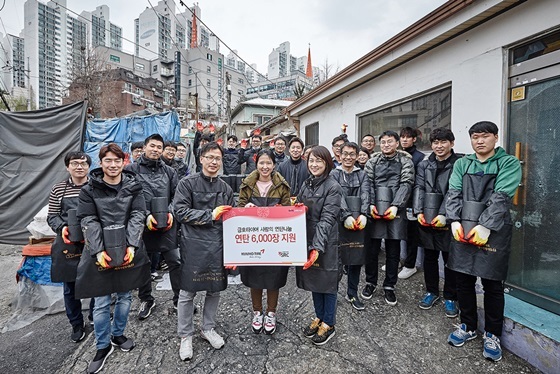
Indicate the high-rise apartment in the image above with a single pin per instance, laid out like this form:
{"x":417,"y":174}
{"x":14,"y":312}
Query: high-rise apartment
{"x":101,"y":32}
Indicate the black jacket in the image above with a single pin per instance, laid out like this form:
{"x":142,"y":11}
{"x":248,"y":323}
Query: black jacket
{"x":417,"y":156}
{"x":249,"y":159}
{"x":355,"y":183}
{"x":322,"y":196}
{"x":196,"y":150}
{"x":295,"y":173}
{"x":233,"y":159}
{"x":201,"y":242}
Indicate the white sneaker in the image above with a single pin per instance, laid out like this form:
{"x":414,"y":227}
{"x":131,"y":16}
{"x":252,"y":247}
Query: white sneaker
{"x":406,"y":273}
{"x":186,"y":351}
{"x":257,"y":323}
{"x":213,"y":338}
{"x":384,"y":268}
{"x":234,"y":279}
{"x":270,"y":323}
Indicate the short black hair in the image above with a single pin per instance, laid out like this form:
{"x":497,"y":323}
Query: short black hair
{"x":338,"y":138}
{"x":180,"y":144}
{"x":280,"y":138}
{"x":206,"y":137}
{"x":390,"y":133}
{"x":136,"y":145}
{"x":295,"y":139}
{"x":169,"y":143}
{"x":256,"y":136}
{"x":366,"y":135}
{"x":483,"y":126}
{"x":442,"y":133}
{"x":157,"y":137}
{"x":210,"y":147}
{"x":365,"y":150}
{"x":76,"y":155}
{"x":351,"y":145}
{"x":409,"y":132}
{"x":232,"y":137}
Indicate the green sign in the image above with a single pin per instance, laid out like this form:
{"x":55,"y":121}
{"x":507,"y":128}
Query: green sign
{"x":114,"y":58}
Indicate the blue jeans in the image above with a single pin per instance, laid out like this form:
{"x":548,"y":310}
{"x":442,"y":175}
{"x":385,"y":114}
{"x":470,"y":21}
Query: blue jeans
{"x":73,"y":306}
{"x":353,"y":280}
{"x":325,"y":307}
{"x":102,"y":317}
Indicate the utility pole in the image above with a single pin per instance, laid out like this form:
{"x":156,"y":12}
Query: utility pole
{"x":196,"y":107}
{"x":228,"y":108}
{"x":28,"y":86}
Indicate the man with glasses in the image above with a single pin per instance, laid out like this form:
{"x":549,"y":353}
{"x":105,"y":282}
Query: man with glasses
{"x":337,"y":142}
{"x":136,"y":150}
{"x":66,"y":252}
{"x":279,"y":148}
{"x":368,"y":142}
{"x":391,"y":175}
{"x":180,"y":165}
{"x":200,"y":201}
{"x":251,"y":154}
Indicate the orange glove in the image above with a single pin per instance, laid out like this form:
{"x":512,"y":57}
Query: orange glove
{"x":212,"y":128}
{"x":457,"y":230}
{"x":169,"y":221}
{"x":349,"y":223}
{"x":103,"y":259}
{"x":422,"y":220}
{"x":199,"y":126}
{"x":390,"y":213}
{"x":129,"y":256}
{"x":373,"y":212}
{"x":231,"y":267}
{"x":313,"y":256}
{"x":439,"y":221}
{"x":151,"y":223}
{"x":360,"y":222}
{"x":243,"y":143}
{"x":65,"y":235}
{"x":300,"y":205}
{"x":219,"y":211}
{"x":478,"y":235}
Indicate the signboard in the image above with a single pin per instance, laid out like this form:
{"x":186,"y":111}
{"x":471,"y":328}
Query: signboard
{"x":265,"y":236}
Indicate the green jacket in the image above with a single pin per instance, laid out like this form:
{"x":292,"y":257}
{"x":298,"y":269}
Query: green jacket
{"x":280,"y":189}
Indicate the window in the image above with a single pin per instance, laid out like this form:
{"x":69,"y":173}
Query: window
{"x":128,"y":87}
{"x":424,"y":113}
{"x":240,"y":92}
{"x":208,"y":96}
{"x":154,"y":69}
{"x":240,"y":80}
{"x":312,"y":134}
{"x":208,"y":69}
{"x":190,"y":82}
{"x":208,"y":83}
{"x":209,"y":56}
{"x":139,"y":66}
{"x":190,"y":69}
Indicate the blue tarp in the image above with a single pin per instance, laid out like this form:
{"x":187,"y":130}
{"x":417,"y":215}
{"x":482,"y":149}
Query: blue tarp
{"x":125,"y":131}
{"x":38,"y":269}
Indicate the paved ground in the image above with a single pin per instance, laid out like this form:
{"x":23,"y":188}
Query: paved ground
{"x":400,"y":339}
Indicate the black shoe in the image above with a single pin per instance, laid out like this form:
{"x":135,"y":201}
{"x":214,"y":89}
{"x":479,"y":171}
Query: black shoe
{"x":78,"y":333}
{"x":90,"y":319}
{"x":310,"y":330}
{"x":124,"y":343}
{"x":99,"y":360}
{"x":368,"y":291}
{"x":163,"y":266}
{"x":324,"y":334}
{"x":146,"y":309}
{"x":390,"y":297}
{"x":356,"y":303}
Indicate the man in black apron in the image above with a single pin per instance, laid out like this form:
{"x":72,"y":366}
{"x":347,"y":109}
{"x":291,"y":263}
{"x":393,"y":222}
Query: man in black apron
{"x":478,"y":205}
{"x":66,"y":251}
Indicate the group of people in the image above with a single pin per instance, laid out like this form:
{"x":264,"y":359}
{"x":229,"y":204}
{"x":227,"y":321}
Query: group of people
{"x":356,"y":200}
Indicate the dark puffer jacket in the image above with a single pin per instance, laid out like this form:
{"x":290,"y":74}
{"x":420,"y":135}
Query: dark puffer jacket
{"x":201,"y":242}
{"x":157,"y":180}
{"x":233,"y":159}
{"x":322,"y":196}
{"x":249,"y":159}
{"x":355,"y":183}
{"x":102,"y":205}
{"x":295,"y":172}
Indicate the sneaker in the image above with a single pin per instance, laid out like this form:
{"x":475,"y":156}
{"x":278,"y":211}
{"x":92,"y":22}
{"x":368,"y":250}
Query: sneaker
{"x":406,"y":273}
{"x":384,"y":268}
{"x":234,"y":279}
{"x":213,"y":338}
{"x":368,"y":290}
{"x":324,"y":334}
{"x":78,"y":333}
{"x":451,"y":309}
{"x":492,"y":348}
{"x":390,"y":297}
{"x":257,"y":323}
{"x":355,"y":301}
{"x":146,"y":309}
{"x":99,"y":360}
{"x":460,"y":336}
{"x":270,"y":323}
{"x":90,"y":319}
{"x":428,"y":301}
{"x":186,"y":351}
{"x":311,"y":330}
{"x":156,"y":277}
{"x":124,"y":343}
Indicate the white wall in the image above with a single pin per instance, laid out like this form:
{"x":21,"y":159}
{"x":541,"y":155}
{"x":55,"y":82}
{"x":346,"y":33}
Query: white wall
{"x":474,"y":63}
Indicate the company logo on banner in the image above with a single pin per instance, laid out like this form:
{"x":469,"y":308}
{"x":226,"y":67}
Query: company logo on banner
{"x":273,"y":236}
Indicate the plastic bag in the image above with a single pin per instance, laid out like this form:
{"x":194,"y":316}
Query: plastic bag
{"x":39,"y":228}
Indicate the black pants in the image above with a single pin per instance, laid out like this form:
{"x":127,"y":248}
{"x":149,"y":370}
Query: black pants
{"x":493,"y":303}
{"x":173,"y":260}
{"x":431,"y":274}
{"x":392,"y":257}
{"x":353,"y":279}
{"x":411,"y":245}
{"x":73,"y":306}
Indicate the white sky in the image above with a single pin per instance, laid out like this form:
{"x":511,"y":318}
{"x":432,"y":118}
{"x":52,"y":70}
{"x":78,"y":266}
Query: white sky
{"x":338,"y":30}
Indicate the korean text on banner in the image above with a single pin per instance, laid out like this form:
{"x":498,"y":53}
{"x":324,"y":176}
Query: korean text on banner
{"x":273,"y":236}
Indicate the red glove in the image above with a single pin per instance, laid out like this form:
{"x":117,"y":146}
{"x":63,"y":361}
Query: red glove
{"x":360,"y":222}
{"x":199,"y":126}
{"x":220,"y":141}
{"x":169,"y":221}
{"x":478,"y":235}
{"x":103,"y":259}
{"x":129,"y":256}
{"x":422,"y":220}
{"x":391,"y":213}
{"x":374,"y":213}
{"x":231,"y":267}
{"x":151,"y":223}
{"x":65,"y":235}
{"x":458,"y":233}
{"x":300,"y":205}
{"x":219,"y":211}
{"x":212,"y":128}
{"x":243,"y":143}
{"x":313,"y":256}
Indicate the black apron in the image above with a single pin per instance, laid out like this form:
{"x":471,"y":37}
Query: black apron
{"x":491,"y":260}
{"x":396,"y":228}
{"x":65,"y":257}
{"x":264,"y":277}
{"x":94,"y":281}
{"x":351,"y":243}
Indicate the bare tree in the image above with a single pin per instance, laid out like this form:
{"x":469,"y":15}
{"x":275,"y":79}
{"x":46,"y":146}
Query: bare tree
{"x":299,"y":90}
{"x":327,"y":70}
{"x":16,"y":103}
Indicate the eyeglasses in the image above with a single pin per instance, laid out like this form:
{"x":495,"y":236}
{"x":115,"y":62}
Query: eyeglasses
{"x":75,"y":164}
{"x":346,"y":154}
{"x":136,"y":151}
{"x":212,"y":159}
{"x":337,"y":146}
